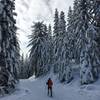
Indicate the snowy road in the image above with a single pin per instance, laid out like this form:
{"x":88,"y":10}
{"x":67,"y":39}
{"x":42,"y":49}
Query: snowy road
{"x":35,"y":89}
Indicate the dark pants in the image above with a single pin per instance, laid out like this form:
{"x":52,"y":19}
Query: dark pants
{"x":50,"y":91}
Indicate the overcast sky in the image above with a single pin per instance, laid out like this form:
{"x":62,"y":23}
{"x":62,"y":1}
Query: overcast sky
{"x":32,"y":10}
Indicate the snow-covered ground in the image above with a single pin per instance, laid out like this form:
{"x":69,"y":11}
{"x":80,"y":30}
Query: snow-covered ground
{"x":35,"y":89}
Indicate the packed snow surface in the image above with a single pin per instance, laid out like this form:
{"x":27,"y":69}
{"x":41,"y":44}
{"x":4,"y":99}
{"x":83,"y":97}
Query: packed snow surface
{"x":36,"y":89}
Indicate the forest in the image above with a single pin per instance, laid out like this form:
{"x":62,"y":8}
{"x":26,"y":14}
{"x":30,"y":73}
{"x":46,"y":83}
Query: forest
{"x":52,"y":47}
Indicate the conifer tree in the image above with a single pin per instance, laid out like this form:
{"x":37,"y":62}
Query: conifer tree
{"x":49,"y":30}
{"x":50,"y":44}
{"x":9,"y":53}
{"x":90,"y":59}
{"x":61,"y":52}
{"x":80,"y":26}
{"x":95,"y":17}
{"x":85,"y":43}
{"x":56,"y":23}
{"x":70,"y":33}
{"x":39,"y":52}
{"x":62,"y":24}
{"x":55,"y":39}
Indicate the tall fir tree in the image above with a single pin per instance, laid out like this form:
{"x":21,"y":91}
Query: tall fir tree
{"x":61,"y":52}
{"x":55,"y":39}
{"x":75,"y":29}
{"x":70,"y":22}
{"x":89,"y":59}
{"x":81,"y":21}
{"x":49,"y":30}
{"x":85,"y":43}
{"x":62,"y":24}
{"x":51,"y":43}
{"x":86,"y":74}
{"x":9,"y":53}
{"x":70,"y":33}
{"x":56,"y":23}
{"x":39,"y":52}
{"x":95,"y":17}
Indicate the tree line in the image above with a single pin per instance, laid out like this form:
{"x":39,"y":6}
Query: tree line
{"x":77,"y":40}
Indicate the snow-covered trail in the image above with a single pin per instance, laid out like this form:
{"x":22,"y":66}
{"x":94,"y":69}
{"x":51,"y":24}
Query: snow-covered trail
{"x":35,"y":89}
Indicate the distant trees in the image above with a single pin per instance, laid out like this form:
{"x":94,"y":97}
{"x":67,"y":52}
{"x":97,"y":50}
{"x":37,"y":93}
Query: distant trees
{"x":24,"y":71}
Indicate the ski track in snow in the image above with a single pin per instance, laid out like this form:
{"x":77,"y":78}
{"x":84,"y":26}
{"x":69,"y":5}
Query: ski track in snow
{"x":35,"y":89}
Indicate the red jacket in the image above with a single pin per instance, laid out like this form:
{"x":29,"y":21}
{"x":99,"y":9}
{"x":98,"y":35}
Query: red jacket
{"x":49,"y":83}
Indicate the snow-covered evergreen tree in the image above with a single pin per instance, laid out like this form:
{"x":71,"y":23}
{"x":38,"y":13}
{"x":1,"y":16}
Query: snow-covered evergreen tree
{"x":74,"y":27}
{"x":9,"y":52}
{"x":85,"y":43}
{"x":39,"y":52}
{"x":82,"y":41}
{"x":70,"y":33}
{"x":62,"y":24}
{"x":58,"y":39}
{"x":80,"y":19}
{"x":89,"y":59}
{"x":55,"y":39}
{"x":70,"y":22}
{"x":50,"y":39}
{"x":56,"y":23}
{"x":95,"y":17}
{"x":49,"y":30}
{"x":65,"y":70}
{"x":45,"y":29}
{"x":85,"y":32}
{"x":61,"y":52}
{"x":97,"y":14}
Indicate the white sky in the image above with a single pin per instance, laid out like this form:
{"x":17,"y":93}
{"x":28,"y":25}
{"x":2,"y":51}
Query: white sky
{"x":32,"y":10}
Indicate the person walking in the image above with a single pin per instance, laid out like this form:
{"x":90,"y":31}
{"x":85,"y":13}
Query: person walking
{"x":49,"y":84}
